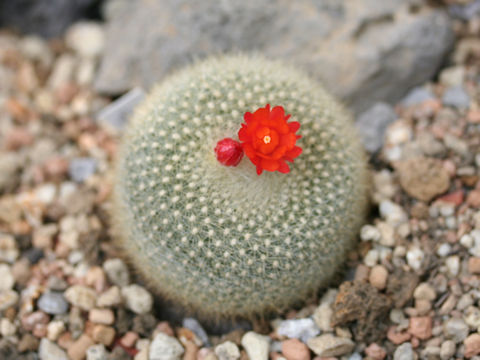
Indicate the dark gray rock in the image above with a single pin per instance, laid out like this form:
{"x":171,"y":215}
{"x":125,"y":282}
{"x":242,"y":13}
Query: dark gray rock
{"x":53,"y":303}
{"x":47,"y":18}
{"x":372,"y":124}
{"x":456,"y":96}
{"x":364,"y":51}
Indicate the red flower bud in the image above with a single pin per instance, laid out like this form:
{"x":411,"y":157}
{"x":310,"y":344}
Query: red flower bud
{"x":229,"y":152}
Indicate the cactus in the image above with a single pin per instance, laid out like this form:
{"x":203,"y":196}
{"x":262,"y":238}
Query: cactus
{"x":224,"y":241}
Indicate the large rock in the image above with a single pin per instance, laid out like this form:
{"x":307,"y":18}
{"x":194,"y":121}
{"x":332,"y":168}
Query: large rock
{"x":44,"y":17}
{"x":365,"y":51}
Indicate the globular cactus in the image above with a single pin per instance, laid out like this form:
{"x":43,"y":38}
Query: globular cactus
{"x":224,"y":241}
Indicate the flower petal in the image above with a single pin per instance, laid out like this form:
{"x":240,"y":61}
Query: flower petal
{"x":269,"y":165}
{"x":283,"y":168}
{"x":294,"y":126}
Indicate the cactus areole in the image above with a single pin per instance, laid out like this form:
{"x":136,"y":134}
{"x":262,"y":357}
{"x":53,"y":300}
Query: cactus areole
{"x":230,"y":235}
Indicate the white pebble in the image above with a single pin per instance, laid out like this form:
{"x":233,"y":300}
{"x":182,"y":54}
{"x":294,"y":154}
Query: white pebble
{"x":370,"y":233}
{"x":466,"y":241}
{"x":453,"y":265}
{"x":444,"y":249}
{"x":371,"y":258}
{"x":257,"y":346}
{"x":415,"y":258}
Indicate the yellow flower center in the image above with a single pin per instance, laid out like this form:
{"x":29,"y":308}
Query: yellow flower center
{"x":267,"y":139}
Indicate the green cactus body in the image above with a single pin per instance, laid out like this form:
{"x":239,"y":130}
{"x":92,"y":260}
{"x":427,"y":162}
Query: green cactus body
{"x":224,"y":241}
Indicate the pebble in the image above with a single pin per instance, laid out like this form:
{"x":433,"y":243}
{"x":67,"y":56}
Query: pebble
{"x":323,"y":317}
{"x":328,"y":345}
{"x":378,"y":277}
{"x":103,"y":334}
{"x":452,"y":76}
{"x":7,"y":278}
{"x":415,"y":258}
{"x":404,"y":352}
{"x":387,"y":232}
{"x":8,"y":248}
{"x":444,"y":249}
{"x":80,"y":169}
{"x":375,"y":352}
{"x":81,"y":296}
{"x":370,"y":233}
{"x":424,"y":291}
{"x":7,"y":328}
{"x":371,"y":258}
{"x":421,"y":327}
{"x":457,"y":97}
{"x":372,"y":124}
{"x":164,"y":347}
{"x":194,"y":325}
{"x":8,"y":298}
{"x":137,"y":299}
{"x":117,"y":272}
{"x":472,"y":317}
{"x":294,"y":349}
{"x":472,"y":345}
{"x":453,"y":265}
{"x":86,"y":38}
{"x":302,"y":329}
{"x":53,"y":303}
{"x":55,"y":329}
{"x":227,"y":351}
{"x":257,"y":346}
{"x":48,"y":350}
{"x":97,"y":352}
{"x":447,"y":350}
{"x":62,"y":72}
{"x":456,"y":329}
{"x":392,"y":212}
{"x":417,"y":96}
{"x":101,"y":316}
{"x":474,"y":265}
{"x":78,"y":350}
{"x":109,"y":298}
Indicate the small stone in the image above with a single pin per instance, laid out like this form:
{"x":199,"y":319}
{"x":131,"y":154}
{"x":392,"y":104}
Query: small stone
{"x":62,"y":72}
{"x":415,"y":258}
{"x":8,"y":298}
{"x":8,"y":248}
{"x":424,"y":291}
{"x":453,"y":265}
{"x":466,"y":241}
{"x":109,"y":298}
{"x":164,"y":347}
{"x":456,"y":96}
{"x":417,"y":96}
{"x":97,"y":352}
{"x":55,"y":329}
{"x":302,"y":329}
{"x":397,"y":337}
{"x":53,"y":303}
{"x":474,"y":265}
{"x":421,"y":327}
{"x":78,"y":350}
{"x":117,"y":272}
{"x":50,"y":351}
{"x":456,"y":329}
{"x":392,"y":212}
{"x":28,"y":342}
{"x":370,"y":233}
{"x":372,"y":124}
{"x":7,"y":328}
{"x":80,"y":169}
{"x":371,"y":258}
{"x":464,"y":302}
{"x":323,"y":317}
{"x":328,"y":345}
{"x":101,"y":316}
{"x":423,"y":178}
{"x":7,"y":278}
{"x":194,"y":325}
{"x":387,"y":234}
{"x":452,"y":76}
{"x":137,"y":299}
{"x":129,"y":339}
{"x":447,"y":350}
{"x":86,"y":38}
{"x":294,"y":349}
{"x":472,"y":317}
{"x":257,"y":346}
{"x":444,"y":249}
{"x":103,"y":334}
{"x":227,"y":351}
{"x":472,"y":345}
{"x":404,"y":352}
{"x":375,"y":352}
{"x":81,"y":296}
{"x":378,"y":277}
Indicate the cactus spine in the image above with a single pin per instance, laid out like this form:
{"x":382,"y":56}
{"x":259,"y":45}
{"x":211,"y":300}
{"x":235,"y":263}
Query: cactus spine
{"x":224,"y":241}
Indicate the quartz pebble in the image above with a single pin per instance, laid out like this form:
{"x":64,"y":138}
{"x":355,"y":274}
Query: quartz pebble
{"x":53,"y":303}
{"x":472,"y":345}
{"x":456,"y":329}
{"x":81,"y":296}
{"x":109,"y":298}
{"x":294,"y":349}
{"x":447,"y":350}
{"x":137,"y":299}
{"x":78,"y":350}
{"x":257,"y":346}
{"x":378,"y":277}
{"x":302,"y":329}
{"x":421,"y":327}
{"x":96,"y":352}
{"x":227,"y":351}
{"x":117,"y":272}
{"x":86,"y":38}
{"x":164,"y":347}
{"x":194,"y":325}
{"x":7,"y":278}
{"x":404,"y":352}
{"x":415,"y":258}
{"x":8,"y":298}
{"x":424,"y":291}
{"x":51,"y":351}
{"x":328,"y":345}
{"x":101,"y":316}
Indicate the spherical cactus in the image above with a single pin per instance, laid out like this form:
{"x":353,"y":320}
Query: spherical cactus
{"x":223,"y":240}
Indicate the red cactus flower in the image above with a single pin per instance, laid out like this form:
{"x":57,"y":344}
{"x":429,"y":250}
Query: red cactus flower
{"x":229,"y":152}
{"x":268,"y":140}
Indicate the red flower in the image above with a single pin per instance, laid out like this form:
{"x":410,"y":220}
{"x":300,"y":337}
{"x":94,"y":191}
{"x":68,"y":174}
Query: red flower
{"x":229,"y":152}
{"x":268,"y":140}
